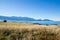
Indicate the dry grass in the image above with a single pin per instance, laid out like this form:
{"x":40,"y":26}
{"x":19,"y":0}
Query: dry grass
{"x":25,"y":31}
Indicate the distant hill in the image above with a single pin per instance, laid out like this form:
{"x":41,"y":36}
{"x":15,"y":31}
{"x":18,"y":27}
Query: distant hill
{"x":16,"y":18}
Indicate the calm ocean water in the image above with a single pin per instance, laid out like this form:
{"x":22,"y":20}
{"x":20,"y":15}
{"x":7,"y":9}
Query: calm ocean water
{"x":40,"y":22}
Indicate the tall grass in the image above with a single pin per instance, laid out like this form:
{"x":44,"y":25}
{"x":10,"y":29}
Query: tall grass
{"x":16,"y":32}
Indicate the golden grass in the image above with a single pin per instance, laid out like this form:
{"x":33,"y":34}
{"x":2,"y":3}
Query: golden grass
{"x":25,"y":31}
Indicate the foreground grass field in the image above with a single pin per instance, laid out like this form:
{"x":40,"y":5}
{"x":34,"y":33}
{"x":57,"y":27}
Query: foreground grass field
{"x":25,"y":31}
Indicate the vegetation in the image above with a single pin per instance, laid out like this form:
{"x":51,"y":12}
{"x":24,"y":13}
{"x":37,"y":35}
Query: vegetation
{"x":5,"y":21}
{"x":24,"y":31}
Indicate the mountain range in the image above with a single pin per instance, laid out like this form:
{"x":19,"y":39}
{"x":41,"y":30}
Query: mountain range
{"x":21,"y":18}
{"x":28,"y":19}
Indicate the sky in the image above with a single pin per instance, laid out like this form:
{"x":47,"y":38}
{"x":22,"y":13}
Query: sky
{"x":38,"y":9}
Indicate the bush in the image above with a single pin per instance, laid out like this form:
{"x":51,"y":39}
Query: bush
{"x":5,"y":21}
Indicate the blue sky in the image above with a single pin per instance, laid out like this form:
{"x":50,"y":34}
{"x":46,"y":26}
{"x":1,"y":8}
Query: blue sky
{"x":38,"y":9}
